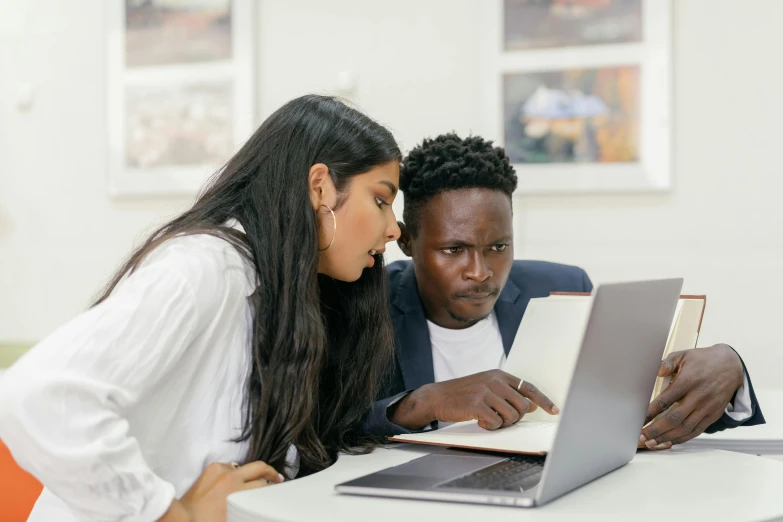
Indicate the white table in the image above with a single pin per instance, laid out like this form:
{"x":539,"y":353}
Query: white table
{"x":680,"y":484}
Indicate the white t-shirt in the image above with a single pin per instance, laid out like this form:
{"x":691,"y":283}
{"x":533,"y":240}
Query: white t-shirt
{"x":459,"y":353}
{"x":121,"y":409}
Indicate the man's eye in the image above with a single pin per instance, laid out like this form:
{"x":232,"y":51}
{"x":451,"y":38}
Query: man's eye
{"x":380,"y":202}
{"x":452,"y":250}
{"x":500,"y":248}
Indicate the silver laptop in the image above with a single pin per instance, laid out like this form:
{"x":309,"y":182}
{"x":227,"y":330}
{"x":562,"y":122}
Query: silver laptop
{"x":599,"y":426}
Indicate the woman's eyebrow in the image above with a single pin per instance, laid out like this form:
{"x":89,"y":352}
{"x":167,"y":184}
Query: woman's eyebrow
{"x":390,"y":185}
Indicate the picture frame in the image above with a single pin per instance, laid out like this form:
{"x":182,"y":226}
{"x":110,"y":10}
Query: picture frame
{"x":180,"y":92}
{"x":578,"y":116}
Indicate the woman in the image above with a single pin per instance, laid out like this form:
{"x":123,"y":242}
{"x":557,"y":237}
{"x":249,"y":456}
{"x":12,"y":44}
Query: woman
{"x":245,"y":337}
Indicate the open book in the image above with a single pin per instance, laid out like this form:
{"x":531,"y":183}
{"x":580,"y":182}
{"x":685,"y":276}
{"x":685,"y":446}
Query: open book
{"x":544,"y":353}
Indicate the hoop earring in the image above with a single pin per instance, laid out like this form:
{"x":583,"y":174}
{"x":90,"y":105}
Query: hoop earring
{"x":334,"y":220}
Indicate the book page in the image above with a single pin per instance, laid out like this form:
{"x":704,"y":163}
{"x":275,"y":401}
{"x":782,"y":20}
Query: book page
{"x":547,"y":345}
{"x":684,"y":334}
{"x":660,"y":381}
{"x":544,"y":353}
{"x":687,"y":333}
{"x":673,"y":329}
{"x":523,"y":437}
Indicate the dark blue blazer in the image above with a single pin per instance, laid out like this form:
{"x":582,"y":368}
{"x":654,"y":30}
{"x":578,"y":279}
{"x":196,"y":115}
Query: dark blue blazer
{"x":413,"y":366}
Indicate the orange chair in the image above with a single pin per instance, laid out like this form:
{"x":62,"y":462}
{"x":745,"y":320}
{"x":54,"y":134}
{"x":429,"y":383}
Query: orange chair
{"x":18,"y":489}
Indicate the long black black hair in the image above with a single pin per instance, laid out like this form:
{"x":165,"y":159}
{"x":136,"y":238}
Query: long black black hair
{"x":319,"y":346}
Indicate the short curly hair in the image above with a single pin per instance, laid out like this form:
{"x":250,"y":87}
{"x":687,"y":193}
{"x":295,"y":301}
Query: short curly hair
{"x":449,"y":162}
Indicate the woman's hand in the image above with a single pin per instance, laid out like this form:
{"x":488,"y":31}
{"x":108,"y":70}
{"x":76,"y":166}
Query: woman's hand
{"x":205,"y":501}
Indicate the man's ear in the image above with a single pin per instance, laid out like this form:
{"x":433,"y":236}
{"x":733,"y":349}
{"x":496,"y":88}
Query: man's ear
{"x":405,"y":239}
{"x":320,"y":187}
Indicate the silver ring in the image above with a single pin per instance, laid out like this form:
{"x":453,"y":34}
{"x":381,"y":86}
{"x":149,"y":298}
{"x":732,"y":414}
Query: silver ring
{"x":519,"y":386}
{"x":235,"y":465}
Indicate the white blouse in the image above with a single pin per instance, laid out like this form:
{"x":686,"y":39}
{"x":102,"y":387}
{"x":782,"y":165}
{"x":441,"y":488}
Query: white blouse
{"x":120,"y":410}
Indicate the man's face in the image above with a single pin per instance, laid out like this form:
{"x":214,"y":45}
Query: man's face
{"x":463,"y":254}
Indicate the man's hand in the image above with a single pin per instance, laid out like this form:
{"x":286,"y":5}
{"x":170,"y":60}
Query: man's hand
{"x":704,"y":381}
{"x":494,"y":398}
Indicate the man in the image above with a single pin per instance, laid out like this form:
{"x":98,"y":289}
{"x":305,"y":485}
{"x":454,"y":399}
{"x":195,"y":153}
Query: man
{"x":457,"y":307}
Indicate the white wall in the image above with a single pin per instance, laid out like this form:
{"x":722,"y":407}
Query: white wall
{"x":416,"y":63}
{"x":61,"y":236}
{"x":721,"y":227}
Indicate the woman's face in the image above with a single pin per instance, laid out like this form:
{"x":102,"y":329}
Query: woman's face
{"x":365,"y":223}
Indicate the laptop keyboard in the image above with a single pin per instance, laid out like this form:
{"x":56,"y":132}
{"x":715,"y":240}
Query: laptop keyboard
{"x":515,"y":474}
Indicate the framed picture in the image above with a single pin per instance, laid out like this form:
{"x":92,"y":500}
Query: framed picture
{"x":578,"y":92}
{"x":180,"y":91}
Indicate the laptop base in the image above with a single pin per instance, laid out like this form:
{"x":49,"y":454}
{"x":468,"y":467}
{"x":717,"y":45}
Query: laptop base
{"x":427,"y":478}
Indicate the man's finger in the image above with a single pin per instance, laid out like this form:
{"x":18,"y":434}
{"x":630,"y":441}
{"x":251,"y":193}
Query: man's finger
{"x":517,"y":401}
{"x":535,"y":395}
{"x":703,"y":425}
{"x":488,"y":418}
{"x":670,"y":364}
{"x":662,"y":446}
{"x":666,"y":399}
{"x":671,"y":419}
{"x":259,"y":470}
{"x":681,"y":421}
{"x":690,"y":425}
{"x":520,"y":404}
{"x":507,"y":412}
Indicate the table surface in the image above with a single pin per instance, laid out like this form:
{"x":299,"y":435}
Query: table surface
{"x":685,"y":483}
